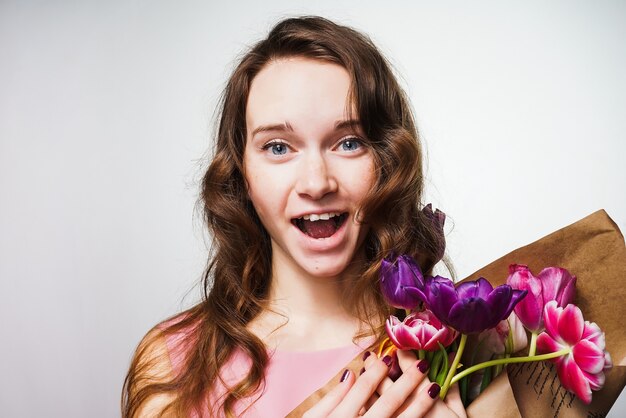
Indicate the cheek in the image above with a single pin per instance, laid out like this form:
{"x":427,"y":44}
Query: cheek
{"x":362,"y":178}
{"x":266,"y":190}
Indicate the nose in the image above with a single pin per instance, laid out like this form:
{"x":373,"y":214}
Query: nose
{"x":315,"y":177}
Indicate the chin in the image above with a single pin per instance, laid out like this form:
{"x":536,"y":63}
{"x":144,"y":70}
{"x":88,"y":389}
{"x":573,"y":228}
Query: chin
{"x":325,"y":267}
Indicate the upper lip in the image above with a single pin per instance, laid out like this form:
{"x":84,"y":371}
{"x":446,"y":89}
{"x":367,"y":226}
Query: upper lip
{"x":319,"y":212}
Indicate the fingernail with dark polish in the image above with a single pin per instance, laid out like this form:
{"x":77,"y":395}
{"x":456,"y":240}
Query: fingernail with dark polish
{"x":366,"y":355}
{"x":362,"y":371}
{"x":433,"y":390}
{"x":387,"y":360}
{"x":345,"y":375}
{"x":423,"y":366}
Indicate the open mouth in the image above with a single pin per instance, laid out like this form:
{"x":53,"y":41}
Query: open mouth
{"x":319,"y":226}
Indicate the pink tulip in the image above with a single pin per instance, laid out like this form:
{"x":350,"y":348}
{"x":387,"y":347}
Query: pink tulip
{"x":508,"y":337}
{"x":582,"y":369}
{"x":419,"y":331}
{"x":552,"y":283}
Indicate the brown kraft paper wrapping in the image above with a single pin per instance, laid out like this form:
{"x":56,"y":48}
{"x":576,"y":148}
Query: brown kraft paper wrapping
{"x":593,"y":250}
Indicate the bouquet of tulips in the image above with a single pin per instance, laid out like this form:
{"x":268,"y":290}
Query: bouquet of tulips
{"x":440,"y":316}
{"x":499,"y":323}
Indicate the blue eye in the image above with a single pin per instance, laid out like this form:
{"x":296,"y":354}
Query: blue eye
{"x":276,"y":148}
{"x":351,"y":144}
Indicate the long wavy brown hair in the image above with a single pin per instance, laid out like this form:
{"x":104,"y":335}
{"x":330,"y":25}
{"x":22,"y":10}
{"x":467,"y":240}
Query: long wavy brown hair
{"x":237,"y":277}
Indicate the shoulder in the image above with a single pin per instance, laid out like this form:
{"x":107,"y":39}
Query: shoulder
{"x":158,"y":360}
{"x":151,"y":365}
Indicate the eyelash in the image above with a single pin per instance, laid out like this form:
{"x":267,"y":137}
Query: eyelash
{"x":354,"y":139}
{"x":274,"y":143}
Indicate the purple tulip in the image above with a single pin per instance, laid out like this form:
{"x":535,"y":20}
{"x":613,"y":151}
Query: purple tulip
{"x":402,"y":282}
{"x":552,"y":283}
{"x":438,"y":219}
{"x":472,"y":306}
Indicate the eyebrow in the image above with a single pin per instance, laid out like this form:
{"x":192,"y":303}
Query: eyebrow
{"x":286,"y":126}
{"x":350,"y":123}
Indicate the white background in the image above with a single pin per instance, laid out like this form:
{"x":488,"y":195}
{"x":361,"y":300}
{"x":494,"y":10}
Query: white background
{"x":106,"y":114}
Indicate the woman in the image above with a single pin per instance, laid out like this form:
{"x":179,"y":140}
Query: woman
{"x":316,"y":177}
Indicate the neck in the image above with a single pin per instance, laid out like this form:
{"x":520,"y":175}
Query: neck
{"x":306,"y":312}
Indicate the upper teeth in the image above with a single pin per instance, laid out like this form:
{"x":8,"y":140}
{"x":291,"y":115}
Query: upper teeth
{"x":322,"y":216}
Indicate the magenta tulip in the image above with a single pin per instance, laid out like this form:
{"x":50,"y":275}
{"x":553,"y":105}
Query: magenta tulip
{"x":552,"y":283}
{"x":419,"y":331}
{"x":582,"y":369}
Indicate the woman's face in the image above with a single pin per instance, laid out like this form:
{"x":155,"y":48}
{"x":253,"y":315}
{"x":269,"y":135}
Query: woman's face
{"x":306,"y":170}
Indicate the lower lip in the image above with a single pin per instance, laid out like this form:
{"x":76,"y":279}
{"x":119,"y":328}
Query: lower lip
{"x":324,"y":244}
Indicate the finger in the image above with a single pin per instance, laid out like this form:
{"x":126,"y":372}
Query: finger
{"x":368,"y":359}
{"x":423,"y":402}
{"x":406,"y":358}
{"x":386,"y":382}
{"x":371,"y":359}
{"x":330,"y":401}
{"x":374,"y":396}
{"x":362,"y":390}
{"x":453,"y":400}
{"x":368,"y":404}
{"x":394,"y":397}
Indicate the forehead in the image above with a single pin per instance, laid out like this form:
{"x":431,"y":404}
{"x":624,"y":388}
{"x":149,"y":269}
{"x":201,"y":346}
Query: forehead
{"x":298,"y":90}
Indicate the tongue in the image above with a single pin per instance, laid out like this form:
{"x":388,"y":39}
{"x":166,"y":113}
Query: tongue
{"x":320,"y":229}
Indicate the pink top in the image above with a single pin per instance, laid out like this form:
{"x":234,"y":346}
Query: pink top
{"x":290,"y":377}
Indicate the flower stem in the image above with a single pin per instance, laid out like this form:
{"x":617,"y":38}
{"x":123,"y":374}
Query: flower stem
{"x":455,"y":363}
{"x":533,"y":344}
{"x":509,"y":360}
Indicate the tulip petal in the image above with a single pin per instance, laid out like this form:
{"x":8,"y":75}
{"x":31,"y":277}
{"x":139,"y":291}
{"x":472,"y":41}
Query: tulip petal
{"x":571,"y":324}
{"x":558,"y":284}
{"x":426,"y":316}
{"x":551,"y":313}
{"x":516,"y":297}
{"x":596,"y":381}
{"x":530,"y":308}
{"x":588,"y":357}
{"x":471,"y":315}
{"x":573,"y":379}
{"x":441,"y":297}
{"x":396,"y":277}
{"x":391,"y":325}
{"x":502,"y":300}
{"x":608,"y":363}
{"x":517,"y":334}
{"x":478,"y":288}
{"x":406,"y":339}
{"x":593,"y":333}
{"x":547,"y":344}
{"x":428,"y":337}
{"x":414,"y":294}
{"x":409,"y":269}
{"x":498,"y":300}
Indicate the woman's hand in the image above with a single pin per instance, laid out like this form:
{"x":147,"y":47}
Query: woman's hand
{"x":356,"y":396}
{"x":450,"y":407}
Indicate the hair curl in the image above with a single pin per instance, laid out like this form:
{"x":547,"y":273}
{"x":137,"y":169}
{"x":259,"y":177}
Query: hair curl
{"x":236,"y":280}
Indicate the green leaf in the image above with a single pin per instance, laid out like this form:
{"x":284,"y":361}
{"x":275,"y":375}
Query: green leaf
{"x":441,"y":376}
{"x":434,"y":366}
